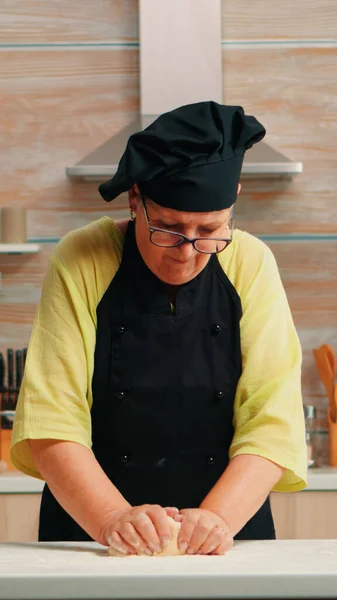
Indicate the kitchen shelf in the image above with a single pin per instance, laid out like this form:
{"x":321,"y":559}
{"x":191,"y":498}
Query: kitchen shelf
{"x":28,"y":248}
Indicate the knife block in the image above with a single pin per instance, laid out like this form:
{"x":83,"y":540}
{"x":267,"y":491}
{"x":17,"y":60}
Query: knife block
{"x":332,"y":442}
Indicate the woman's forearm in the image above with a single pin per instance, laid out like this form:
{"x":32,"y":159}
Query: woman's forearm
{"x":78,"y":483}
{"x":242,"y":489}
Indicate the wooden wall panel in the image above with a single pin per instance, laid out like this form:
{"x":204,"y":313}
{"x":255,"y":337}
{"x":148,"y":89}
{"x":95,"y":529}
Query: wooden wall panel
{"x":117,"y":20}
{"x":59,"y":105}
{"x":309,"y":274}
{"x":15,"y":335}
{"x":53,"y":224}
{"x":22,"y":277}
{"x":61,"y":21}
{"x":287,"y":20}
{"x":293,"y":92}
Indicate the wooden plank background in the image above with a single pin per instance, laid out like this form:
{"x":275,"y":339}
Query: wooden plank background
{"x":27,"y":21}
{"x":293,"y":92}
{"x":69,"y":79}
{"x":270,"y":20}
{"x":59,"y":105}
{"x":61,"y":21}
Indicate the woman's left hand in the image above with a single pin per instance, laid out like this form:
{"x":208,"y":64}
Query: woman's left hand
{"x":203,"y":532}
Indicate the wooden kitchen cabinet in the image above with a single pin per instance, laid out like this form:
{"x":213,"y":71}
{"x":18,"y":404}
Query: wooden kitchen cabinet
{"x":305,"y":515}
{"x":19,"y":515}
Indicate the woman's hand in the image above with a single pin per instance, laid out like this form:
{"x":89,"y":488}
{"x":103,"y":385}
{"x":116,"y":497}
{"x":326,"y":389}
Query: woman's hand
{"x":140,"y":529}
{"x":203,"y":532}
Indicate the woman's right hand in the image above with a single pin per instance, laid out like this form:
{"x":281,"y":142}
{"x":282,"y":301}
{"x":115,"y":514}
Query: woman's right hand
{"x":139,"y":529}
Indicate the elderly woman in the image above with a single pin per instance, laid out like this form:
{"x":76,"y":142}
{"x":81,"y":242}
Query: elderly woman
{"x":163,"y":371}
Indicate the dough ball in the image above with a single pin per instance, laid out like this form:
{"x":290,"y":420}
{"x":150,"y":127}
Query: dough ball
{"x":170,"y":550}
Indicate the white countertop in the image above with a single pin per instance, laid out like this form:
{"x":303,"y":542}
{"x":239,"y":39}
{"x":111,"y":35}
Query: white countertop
{"x":252,"y":569}
{"x":14,"y":482}
{"x":322,"y":479}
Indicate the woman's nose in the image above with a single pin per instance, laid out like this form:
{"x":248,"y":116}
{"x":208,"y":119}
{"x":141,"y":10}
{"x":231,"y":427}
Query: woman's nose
{"x":186,"y":250}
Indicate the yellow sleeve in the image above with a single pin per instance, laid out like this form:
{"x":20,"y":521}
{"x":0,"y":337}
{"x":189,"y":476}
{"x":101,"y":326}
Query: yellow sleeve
{"x":55,"y":396}
{"x":268,"y":407}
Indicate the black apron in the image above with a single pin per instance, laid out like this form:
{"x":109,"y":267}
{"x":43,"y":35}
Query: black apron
{"x":163,"y":392}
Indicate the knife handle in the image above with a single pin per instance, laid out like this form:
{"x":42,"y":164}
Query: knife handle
{"x":18,"y":368}
{"x":24,"y":354}
{"x":12,"y":401}
{"x":2,"y":371}
{"x":10,"y":368}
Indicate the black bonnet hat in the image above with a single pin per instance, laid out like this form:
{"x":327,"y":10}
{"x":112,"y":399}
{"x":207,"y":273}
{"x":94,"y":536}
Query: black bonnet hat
{"x":188,"y":159}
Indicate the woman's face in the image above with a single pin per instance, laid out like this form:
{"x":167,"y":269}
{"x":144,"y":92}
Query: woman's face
{"x":178,"y":265}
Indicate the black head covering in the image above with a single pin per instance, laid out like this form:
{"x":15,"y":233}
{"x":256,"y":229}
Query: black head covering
{"x":188,"y":159}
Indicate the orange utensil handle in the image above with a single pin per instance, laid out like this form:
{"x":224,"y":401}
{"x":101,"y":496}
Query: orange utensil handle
{"x":332,"y":442}
{"x":323,"y":358}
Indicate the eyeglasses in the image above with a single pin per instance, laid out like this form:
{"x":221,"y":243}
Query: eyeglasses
{"x":172,"y":239}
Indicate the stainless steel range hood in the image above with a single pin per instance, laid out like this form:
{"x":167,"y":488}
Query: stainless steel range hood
{"x":180,"y":62}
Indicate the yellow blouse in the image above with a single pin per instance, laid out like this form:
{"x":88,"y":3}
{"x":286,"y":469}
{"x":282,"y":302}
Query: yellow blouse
{"x":56,"y":395}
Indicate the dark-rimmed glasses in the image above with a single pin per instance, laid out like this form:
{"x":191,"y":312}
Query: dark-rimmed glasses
{"x":172,"y":239}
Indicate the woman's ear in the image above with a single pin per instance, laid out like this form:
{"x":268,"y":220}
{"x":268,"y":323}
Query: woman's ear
{"x":133,"y":197}
{"x":239,"y":188}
